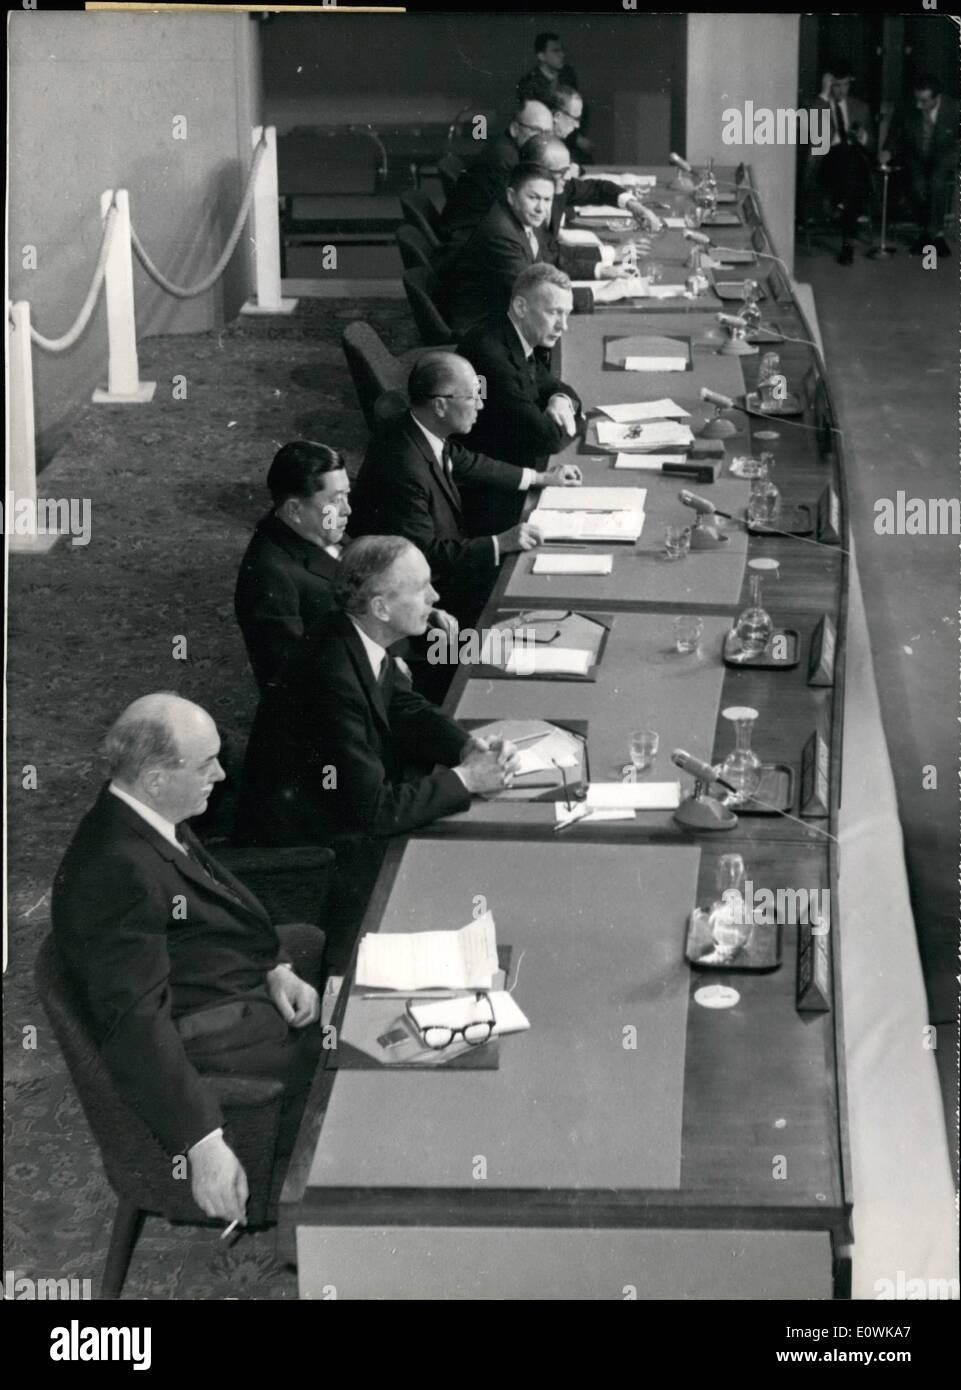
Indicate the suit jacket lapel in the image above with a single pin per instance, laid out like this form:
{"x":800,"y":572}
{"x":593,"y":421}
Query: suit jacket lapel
{"x":447,"y":485}
{"x":357,"y":654}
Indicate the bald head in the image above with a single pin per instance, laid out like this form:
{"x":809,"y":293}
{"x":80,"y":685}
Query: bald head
{"x":163,"y":750}
{"x":549,"y":151}
{"x":532,"y":118}
{"x":445,"y":393}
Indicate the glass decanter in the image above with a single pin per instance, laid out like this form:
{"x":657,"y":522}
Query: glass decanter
{"x":751,"y":293}
{"x":742,"y":767}
{"x":705,"y":191}
{"x":754,"y":626}
{"x":764,"y":503}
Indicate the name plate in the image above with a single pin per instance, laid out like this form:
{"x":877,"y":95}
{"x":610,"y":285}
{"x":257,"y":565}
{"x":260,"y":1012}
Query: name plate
{"x":813,"y":982}
{"x":821,"y":656}
{"x":815,"y":778}
{"x":829,"y":517}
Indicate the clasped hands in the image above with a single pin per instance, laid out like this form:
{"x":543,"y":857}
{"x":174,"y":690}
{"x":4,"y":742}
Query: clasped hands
{"x":488,"y":765}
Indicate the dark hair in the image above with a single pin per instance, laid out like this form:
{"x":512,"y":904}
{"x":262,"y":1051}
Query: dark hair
{"x":526,"y":172}
{"x":298,"y":469}
{"x":542,"y":40}
{"x":360,"y":574}
{"x":926,"y":82}
{"x":839,"y":68}
{"x":432,"y":375}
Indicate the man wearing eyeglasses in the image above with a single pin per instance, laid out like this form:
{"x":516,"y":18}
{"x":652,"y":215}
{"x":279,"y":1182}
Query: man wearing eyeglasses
{"x":412,"y":480}
{"x":550,"y":77}
{"x":485,"y":178}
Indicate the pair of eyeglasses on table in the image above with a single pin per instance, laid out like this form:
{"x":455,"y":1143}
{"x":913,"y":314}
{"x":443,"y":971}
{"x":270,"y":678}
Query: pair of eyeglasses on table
{"x":437,"y":1036}
{"x":542,"y":631}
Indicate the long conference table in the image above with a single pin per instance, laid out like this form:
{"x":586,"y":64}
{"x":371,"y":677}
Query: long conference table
{"x":631,"y":1144}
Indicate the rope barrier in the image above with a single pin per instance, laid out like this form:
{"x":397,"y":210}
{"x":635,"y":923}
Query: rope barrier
{"x":68,"y":339}
{"x":179,"y":291}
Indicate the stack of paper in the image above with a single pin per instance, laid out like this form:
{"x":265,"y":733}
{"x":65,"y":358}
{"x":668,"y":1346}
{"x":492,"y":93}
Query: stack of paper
{"x":458,"y":1013}
{"x":572,"y":564}
{"x":630,"y":412}
{"x":626,"y":180}
{"x":590,"y":513}
{"x":465,"y":959}
{"x":643,"y":437}
{"x":637,"y":796}
{"x":572,"y":236}
{"x":601,"y":210}
{"x":535,"y":661}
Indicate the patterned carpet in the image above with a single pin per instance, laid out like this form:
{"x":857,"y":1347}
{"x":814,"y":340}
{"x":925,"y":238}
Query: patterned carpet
{"x":175,"y":487}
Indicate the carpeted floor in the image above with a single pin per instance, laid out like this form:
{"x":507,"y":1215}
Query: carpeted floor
{"x":175,"y":487}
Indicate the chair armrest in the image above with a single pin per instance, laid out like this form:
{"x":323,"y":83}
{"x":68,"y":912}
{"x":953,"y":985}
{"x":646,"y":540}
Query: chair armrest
{"x":270,"y":860}
{"x":245,"y":1092}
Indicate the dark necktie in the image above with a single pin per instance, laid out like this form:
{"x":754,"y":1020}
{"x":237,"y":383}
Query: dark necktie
{"x":842,"y":124}
{"x":445,"y":460}
{"x":202,"y":860}
{"x":532,"y":371}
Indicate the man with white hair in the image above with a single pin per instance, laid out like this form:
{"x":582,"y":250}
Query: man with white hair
{"x":177,"y":965}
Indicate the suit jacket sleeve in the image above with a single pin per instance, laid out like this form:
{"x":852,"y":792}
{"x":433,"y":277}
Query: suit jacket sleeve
{"x":504,"y":259}
{"x":268,"y":611}
{"x":423,"y":731}
{"x":366,"y":799}
{"x":478,"y":470}
{"x":549,"y":385}
{"x":596,"y":192}
{"x":408,"y":514}
{"x":120,"y":956}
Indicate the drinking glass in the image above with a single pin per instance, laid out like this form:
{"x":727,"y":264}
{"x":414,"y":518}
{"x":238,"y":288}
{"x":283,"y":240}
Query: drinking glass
{"x":644,"y":746}
{"x":688,"y":631}
{"x":677,"y":541}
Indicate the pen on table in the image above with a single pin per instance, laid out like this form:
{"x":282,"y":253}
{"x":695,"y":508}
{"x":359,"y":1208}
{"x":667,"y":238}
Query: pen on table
{"x":417,"y":994}
{"x":226,"y":1232}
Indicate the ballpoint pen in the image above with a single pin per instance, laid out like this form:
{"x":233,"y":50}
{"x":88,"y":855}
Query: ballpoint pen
{"x":226,"y":1232}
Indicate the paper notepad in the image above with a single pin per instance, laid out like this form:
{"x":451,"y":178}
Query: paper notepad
{"x":666,"y":291}
{"x":572,"y":564}
{"x":592,"y":499}
{"x":676,"y":224}
{"x":626,"y":180}
{"x":641,"y":438}
{"x":655,"y":364}
{"x":664,"y":409}
{"x":571,"y":661}
{"x":624,"y":525}
{"x":465,"y":959}
{"x":639,"y":796}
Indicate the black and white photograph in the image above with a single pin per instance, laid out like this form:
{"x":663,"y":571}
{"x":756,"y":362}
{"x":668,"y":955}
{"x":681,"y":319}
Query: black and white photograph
{"x":481,"y":533}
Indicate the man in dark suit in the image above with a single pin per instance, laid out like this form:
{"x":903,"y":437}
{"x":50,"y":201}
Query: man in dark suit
{"x":410,"y":484}
{"x":530,"y":414}
{"x":846,"y":167}
{"x":547,"y":79}
{"x":342,"y":748}
{"x":485,"y":178}
{"x":925,"y":141}
{"x":176,"y":962}
{"x":287,"y":575}
{"x":511,"y":236}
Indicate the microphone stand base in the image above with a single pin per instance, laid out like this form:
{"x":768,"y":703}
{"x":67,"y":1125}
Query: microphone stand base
{"x":704,"y":813}
{"x":718,"y":429}
{"x":882,"y":252}
{"x":737,"y":347}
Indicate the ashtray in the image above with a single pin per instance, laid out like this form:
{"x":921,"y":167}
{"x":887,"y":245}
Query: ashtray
{"x":761,"y":951}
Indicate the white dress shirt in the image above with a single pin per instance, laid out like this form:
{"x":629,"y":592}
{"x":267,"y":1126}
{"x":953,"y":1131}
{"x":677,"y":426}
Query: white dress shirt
{"x":376,"y":654}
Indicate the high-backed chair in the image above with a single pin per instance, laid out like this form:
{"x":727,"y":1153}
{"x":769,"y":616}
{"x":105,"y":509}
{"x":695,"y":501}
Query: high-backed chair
{"x":424,"y":295}
{"x":420,"y":212}
{"x":449,"y":170}
{"x":138,"y":1169}
{"x":414,"y":250}
{"x":379,"y":378}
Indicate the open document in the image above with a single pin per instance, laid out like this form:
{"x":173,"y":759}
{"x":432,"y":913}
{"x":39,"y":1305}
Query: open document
{"x":465,"y":959}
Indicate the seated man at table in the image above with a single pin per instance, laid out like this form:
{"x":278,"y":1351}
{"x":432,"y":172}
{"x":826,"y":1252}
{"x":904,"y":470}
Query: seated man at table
{"x":530,"y":414}
{"x":485,"y":178}
{"x":514,"y":235}
{"x":583,"y":262}
{"x":550,"y":75}
{"x":177,"y":964}
{"x":342,"y":747}
{"x":924,"y":140}
{"x":287,"y":575}
{"x":411,"y":479}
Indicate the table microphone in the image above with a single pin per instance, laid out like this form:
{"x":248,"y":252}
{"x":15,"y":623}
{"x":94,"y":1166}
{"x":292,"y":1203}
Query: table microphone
{"x":681,"y":163}
{"x":715,"y":397}
{"x":700,"y":811}
{"x":706,"y":533}
{"x":699,"y":237}
{"x":733,"y":321}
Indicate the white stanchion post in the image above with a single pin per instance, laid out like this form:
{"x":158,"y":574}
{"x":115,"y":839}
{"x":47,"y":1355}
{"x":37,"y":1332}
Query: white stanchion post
{"x":265,"y":233}
{"x":20,"y":503}
{"x":124,"y":386}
